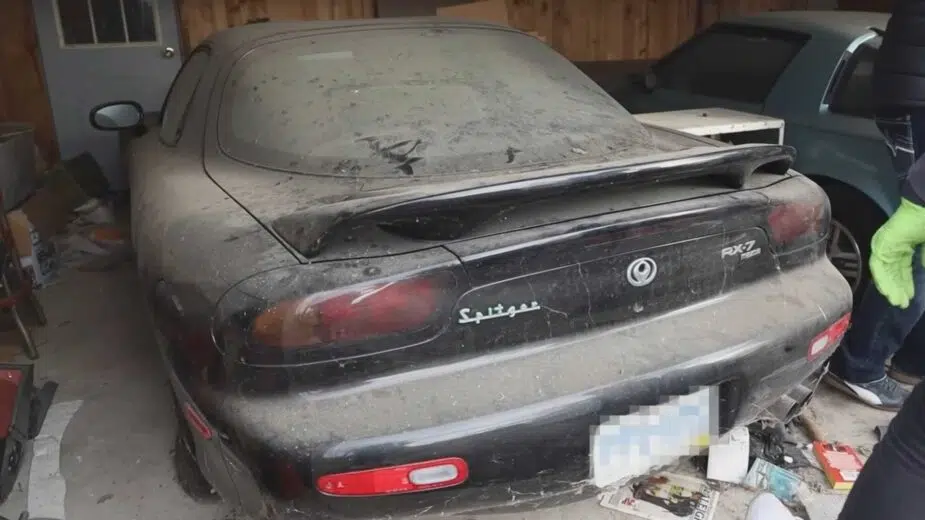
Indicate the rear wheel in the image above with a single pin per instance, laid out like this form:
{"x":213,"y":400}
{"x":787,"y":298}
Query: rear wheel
{"x":855,"y":219}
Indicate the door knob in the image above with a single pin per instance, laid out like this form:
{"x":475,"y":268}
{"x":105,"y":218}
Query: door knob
{"x":169,"y":52}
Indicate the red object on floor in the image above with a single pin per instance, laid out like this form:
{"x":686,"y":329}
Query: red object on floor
{"x":9,"y":392}
{"x":840,"y":463}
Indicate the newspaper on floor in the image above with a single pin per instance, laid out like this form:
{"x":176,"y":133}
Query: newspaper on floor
{"x":665,"y":496}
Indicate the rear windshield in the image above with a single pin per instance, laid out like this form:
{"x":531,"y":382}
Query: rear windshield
{"x":417,"y":102}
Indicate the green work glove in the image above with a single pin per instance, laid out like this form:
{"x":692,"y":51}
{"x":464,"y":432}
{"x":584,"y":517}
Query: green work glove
{"x":891,"y":252}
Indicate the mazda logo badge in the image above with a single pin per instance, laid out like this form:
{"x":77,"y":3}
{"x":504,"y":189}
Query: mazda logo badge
{"x":641,"y":272}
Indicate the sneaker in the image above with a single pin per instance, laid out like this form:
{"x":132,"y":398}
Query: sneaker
{"x":884,"y":393}
{"x":904,"y":377}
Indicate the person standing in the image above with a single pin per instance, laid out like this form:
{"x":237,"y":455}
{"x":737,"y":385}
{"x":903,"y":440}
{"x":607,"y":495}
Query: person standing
{"x":880,"y":330}
{"x":892,"y":482}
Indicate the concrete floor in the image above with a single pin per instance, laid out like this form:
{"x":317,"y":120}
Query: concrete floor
{"x":115,"y":451}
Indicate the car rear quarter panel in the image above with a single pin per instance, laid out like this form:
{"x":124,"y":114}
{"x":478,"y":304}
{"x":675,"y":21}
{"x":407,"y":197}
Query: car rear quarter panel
{"x":187,"y":232}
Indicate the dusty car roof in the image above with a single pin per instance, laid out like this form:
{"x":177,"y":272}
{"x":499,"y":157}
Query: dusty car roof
{"x":834,"y":23}
{"x":232,"y":38}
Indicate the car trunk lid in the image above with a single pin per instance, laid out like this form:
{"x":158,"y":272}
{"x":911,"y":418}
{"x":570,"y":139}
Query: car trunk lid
{"x":449,"y":211}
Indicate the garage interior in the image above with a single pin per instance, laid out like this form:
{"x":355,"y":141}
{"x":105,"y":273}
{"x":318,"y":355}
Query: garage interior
{"x":106,"y":451}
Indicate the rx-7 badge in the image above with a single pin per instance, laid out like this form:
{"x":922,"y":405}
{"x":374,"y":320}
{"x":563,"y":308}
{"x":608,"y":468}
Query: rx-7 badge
{"x":744,"y":250}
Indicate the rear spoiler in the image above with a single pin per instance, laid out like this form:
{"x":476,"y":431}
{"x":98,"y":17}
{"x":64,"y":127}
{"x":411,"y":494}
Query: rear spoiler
{"x":732,"y":165}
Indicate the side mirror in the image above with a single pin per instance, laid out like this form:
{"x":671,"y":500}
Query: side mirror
{"x":117,"y":115}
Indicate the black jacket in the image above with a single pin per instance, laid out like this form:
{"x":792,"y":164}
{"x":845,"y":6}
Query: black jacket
{"x":899,"y":72}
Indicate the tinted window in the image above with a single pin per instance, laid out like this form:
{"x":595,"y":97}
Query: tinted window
{"x":417,"y":101}
{"x":180,"y":95}
{"x":853,"y":94}
{"x":734,"y":63}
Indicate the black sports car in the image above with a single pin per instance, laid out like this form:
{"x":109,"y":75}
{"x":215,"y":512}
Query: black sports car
{"x":421,"y":265}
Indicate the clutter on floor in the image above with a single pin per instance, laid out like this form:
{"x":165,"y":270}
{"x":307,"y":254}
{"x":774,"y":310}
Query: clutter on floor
{"x":666,"y":496}
{"x":794,"y":463}
{"x":68,"y":222}
{"x":840,"y":463}
{"x":58,"y":216}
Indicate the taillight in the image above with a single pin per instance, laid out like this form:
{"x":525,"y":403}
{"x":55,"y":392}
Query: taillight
{"x":323,"y":313}
{"x":829,"y":338}
{"x":799,"y":214}
{"x":355,"y":314}
{"x":392,"y":480}
{"x":789,"y":222}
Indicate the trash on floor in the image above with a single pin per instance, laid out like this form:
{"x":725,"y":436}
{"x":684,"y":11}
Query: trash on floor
{"x":81,"y":249}
{"x":775,"y":444}
{"x":766,"y":476}
{"x":728,"y":459}
{"x":812,"y":429}
{"x":665,"y":496}
{"x":93,"y":242}
{"x":68,"y":186}
{"x":840,"y":463}
{"x":94,"y":212}
{"x":36,"y":252}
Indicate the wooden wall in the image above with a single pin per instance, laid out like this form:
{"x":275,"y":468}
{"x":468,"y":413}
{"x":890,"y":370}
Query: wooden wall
{"x":200,"y":18}
{"x":581,"y":29}
{"x":881,"y":6}
{"x":22,"y":80}
{"x":589,"y":30}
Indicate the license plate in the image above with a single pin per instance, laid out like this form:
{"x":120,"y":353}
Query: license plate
{"x":631,"y":445}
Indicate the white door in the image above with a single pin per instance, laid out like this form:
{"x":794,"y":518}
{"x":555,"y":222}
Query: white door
{"x":96,"y":51}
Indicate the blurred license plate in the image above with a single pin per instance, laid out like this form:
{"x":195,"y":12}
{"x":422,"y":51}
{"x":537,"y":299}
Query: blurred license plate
{"x":651,"y":436}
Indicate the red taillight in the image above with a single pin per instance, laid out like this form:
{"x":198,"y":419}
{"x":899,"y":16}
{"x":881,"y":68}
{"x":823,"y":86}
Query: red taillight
{"x":789,"y":222}
{"x":829,"y":338}
{"x":357,"y":314}
{"x":406,"y":478}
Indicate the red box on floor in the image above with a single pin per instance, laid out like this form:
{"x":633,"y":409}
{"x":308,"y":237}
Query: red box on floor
{"x":840,"y":463}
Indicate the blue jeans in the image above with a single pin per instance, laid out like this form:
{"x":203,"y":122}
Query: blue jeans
{"x":878,"y":329}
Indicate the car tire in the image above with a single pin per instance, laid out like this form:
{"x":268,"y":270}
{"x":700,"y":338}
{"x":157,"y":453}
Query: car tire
{"x":186,"y":466}
{"x":861,"y":218}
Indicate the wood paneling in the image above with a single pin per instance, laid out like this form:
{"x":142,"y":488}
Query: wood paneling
{"x":591,"y":30}
{"x":200,"y":18}
{"x":583,"y":30}
{"x":716,"y":9}
{"x":22,"y":81}
{"x":879,"y":6}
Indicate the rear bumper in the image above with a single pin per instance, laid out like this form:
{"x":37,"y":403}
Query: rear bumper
{"x":522,"y":418}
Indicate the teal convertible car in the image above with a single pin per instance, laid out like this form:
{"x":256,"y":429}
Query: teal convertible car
{"x":811,"y":69}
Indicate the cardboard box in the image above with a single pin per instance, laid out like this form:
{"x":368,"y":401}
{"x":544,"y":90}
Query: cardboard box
{"x":36,"y":253}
